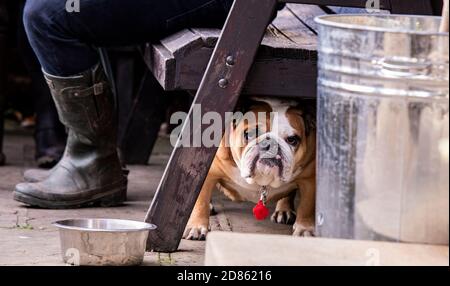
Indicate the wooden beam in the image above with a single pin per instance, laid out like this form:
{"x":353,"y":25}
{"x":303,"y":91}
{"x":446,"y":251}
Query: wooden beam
{"x":384,"y":4}
{"x":189,"y":166}
{"x":180,"y":65}
{"x":416,"y":7}
{"x":422,"y":7}
{"x":275,"y":77}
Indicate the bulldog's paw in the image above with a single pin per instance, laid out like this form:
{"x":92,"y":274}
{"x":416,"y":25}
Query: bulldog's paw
{"x":283,"y":217}
{"x":303,"y":229}
{"x":195,"y":232}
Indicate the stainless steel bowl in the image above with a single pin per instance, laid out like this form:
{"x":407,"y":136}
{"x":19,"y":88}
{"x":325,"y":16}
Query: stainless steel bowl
{"x":103,"y":242}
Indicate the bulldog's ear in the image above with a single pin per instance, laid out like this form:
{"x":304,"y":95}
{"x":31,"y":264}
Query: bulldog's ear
{"x":308,"y":108}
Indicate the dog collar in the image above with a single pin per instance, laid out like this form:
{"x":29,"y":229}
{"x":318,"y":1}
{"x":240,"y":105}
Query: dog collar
{"x":260,"y":211}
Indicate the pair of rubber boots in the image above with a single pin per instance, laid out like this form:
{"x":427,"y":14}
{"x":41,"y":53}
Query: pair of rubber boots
{"x":89,"y":173}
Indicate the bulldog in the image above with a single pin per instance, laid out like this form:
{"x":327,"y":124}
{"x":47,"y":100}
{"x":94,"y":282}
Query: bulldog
{"x":275,"y":152}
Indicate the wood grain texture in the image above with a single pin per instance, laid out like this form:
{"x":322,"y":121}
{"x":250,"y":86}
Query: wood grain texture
{"x":306,"y":14}
{"x":423,"y":7}
{"x":285,"y":65}
{"x":384,"y":4}
{"x":188,"y":167}
{"x":162,"y":64}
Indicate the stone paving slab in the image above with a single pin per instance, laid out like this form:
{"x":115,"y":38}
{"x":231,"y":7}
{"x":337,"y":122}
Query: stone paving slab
{"x":234,"y":249}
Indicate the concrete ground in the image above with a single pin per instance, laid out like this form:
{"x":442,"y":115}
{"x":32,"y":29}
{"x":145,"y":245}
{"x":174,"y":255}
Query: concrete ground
{"x":28,"y":238}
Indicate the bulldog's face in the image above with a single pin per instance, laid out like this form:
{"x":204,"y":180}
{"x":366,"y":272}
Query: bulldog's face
{"x":270,"y":142}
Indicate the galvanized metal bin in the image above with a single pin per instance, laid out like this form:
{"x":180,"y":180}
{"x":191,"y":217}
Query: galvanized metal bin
{"x":383,"y":128}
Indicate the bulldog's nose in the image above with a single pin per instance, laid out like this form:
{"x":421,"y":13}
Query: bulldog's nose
{"x":266,"y":144}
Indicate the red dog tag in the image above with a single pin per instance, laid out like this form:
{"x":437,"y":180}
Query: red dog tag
{"x":260,"y":211}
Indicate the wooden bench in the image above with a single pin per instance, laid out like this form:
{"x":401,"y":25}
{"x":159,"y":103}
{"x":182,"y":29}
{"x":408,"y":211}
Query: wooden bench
{"x":220,"y":68}
{"x":286,"y":64}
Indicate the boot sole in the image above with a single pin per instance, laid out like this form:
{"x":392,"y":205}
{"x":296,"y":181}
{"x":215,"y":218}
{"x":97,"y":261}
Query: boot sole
{"x":114,"y":197}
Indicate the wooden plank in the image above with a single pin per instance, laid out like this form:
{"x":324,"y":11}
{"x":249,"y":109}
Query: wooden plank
{"x":162,"y":63}
{"x":208,"y":35}
{"x":182,"y":43}
{"x":384,"y":4}
{"x":306,"y":13}
{"x":287,"y":78}
{"x":422,"y":7}
{"x":188,"y":166}
{"x":190,"y":70}
{"x":351,"y":10}
{"x":282,"y":77}
{"x":293,"y":29}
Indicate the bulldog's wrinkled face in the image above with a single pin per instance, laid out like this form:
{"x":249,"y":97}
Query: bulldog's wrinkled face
{"x":269,"y":142}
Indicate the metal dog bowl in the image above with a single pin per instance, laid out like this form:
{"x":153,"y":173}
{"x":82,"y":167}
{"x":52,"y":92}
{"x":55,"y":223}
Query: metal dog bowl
{"x":103,"y":242}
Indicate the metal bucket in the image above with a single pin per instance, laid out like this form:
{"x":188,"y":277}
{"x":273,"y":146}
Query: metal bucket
{"x":383,"y":128}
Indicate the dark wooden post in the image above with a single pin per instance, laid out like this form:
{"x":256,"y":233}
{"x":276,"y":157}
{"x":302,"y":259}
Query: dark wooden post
{"x":142,"y":121}
{"x":188,"y":167}
{"x":422,"y":7}
{"x":3,"y":57}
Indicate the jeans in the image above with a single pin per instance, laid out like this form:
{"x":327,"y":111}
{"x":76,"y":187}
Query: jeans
{"x":65,"y":43}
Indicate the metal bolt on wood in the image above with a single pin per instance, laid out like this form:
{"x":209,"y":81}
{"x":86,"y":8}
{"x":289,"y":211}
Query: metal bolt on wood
{"x":223,"y":83}
{"x":230,"y":61}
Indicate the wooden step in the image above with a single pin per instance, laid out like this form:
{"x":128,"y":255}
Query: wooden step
{"x":235,"y":249}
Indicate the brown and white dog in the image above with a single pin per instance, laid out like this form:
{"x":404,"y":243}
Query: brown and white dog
{"x":276,"y":150}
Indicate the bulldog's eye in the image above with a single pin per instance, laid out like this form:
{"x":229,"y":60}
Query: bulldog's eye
{"x":293,"y":140}
{"x":250,"y":134}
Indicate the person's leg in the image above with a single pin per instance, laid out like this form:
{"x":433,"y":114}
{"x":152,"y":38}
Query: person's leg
{"x":65,"y":42}
{"x":49,"y":134}
{"x":90,"y":171}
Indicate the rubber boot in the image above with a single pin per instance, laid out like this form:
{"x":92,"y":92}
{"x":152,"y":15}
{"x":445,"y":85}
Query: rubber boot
{"x":38,"y":175}
{"x":89,"y":172}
